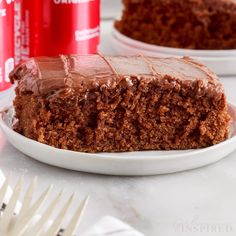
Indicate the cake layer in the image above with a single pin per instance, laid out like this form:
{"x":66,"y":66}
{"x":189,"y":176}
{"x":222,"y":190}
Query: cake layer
{"x":193,"y":24}
{"x":98,"y":103}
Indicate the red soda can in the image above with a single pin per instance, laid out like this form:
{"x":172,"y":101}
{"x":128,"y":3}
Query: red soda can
{"x":6,"y":42}
{"x":53,"y":27}
{"x":17,"y":32}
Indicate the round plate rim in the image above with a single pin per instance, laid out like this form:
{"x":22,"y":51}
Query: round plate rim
{"x":206,"y":54}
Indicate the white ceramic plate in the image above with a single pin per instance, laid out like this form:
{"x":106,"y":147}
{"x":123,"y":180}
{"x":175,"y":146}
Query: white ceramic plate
{"x":126,"y":163}
{"x":6,"y":97}
{"x":222,"y":62}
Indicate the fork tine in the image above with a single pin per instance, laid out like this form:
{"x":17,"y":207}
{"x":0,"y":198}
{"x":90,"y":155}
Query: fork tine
{"x":57,"y":222}
{"x":22,"y":222}
{"x":3,"y":190}
{"x":71,"y":228}
{"x":28,"y":197}
{"x":35,"y":230}
{"x":9,"y":211}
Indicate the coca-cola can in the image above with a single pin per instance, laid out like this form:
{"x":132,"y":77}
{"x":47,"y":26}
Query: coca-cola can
{"x":17,"y":32}
{"x":6,"y":42}
{"x":53,"y":27}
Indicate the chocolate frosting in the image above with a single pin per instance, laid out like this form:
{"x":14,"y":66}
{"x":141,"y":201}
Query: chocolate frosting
{"x":45,"y":75}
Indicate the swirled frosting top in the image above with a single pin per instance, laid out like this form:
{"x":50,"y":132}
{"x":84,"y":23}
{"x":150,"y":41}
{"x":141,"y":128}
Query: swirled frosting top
{"x":45,"y":75}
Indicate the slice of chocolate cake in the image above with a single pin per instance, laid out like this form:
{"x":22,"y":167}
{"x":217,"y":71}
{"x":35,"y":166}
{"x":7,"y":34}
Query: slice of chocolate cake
{"x":194,"y":24}
{"x":109,"y":104}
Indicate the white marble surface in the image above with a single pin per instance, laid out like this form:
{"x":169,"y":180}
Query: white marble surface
{"x":198,"y":202}
{"x":111,"y":9}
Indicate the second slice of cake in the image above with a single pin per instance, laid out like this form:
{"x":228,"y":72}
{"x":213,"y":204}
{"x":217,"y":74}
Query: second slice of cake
{"x":109,"y":104}
{"x":192,"y":24}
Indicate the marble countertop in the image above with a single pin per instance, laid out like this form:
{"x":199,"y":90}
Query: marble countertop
{"x":197,"y":202}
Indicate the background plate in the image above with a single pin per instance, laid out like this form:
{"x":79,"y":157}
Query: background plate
{"x":222,"y":62}
{"x":126,"y":163}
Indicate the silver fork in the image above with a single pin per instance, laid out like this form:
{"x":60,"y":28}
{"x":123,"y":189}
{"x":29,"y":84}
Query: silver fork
{"x":24,"y":222}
